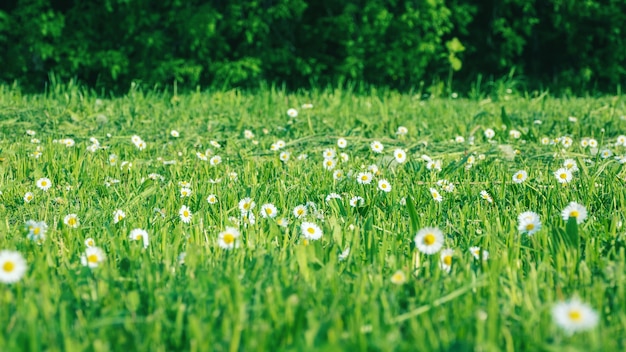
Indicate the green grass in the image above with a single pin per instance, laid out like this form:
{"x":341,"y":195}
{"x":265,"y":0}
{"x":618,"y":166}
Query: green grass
{"x":276,"y":292}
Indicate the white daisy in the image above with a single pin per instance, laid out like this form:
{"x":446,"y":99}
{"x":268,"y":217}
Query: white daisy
{"x":338,"y":175}
{"x":445,"y":259}
{"x":489,"y":133}
{"x":185,"y":214}
{"x":377,"y":147}
{"x":400,"y":155}
{"x":429,"y":240}
{"x":211,"y":199}
{"x":311,"y":231}
{"x":93,"y":257}
{"x":398,"y":278}
{"x":364,"y":178}
{"x":402,"y":131}
{"x":357,"y":201}
{"x":436,"y":195}
{"x":71,"y":220}
{"x":185,"y":192}
{"x":12,"y":266}
{"x":89,"y":242}
{"x":293,"y":113}
{"x":329,"y":164}
{"x":574,"y":315}
{"x":268,"y":211}
{"x":229,"y":238}
{"x":246,"y":205}
{"x":44,"y":184}
{"x":118,"y":216}
{"x":342,"y":143}
{"x":570,"y":164}
{"x":329,"y":153}
{"x":300,"y":211}
{"x":575,"y":210}
{"x":384,"y":185}
{"x":36,"y":230}
{"x":140,"y":235}
{"x":520,"y":176}
{"x":529,"y":223}
{"x":563,"y":175}
{"x":28,"y":197}
{"x":215,"y":160}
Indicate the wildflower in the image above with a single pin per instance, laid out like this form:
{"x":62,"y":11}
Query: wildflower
{"x":529,"y":223}
{"x":139,"y":235}
{"x":384,"y":185}
{"x":284,"y":156}
{"x":282,"y":222}
{"x":185,"y":214}
{"x":344,"y":157}
{"x":89,"y":242}
{"x":211,"y":199}
{"x":446,"y":259}
{"x":44,"y":184}
{"x":118,"y":216}
{"x":112,"y":159}
{"x":563,"y":175}
{"x":12,"y":266}
{"x":436,"y":195}
{"x":246,"y":205}
{"x":459,"y":139}
{"x":567,"y":142}
{"x":489,"y":133}
{"x":293,"y":113}
{"x":575,"y":210}
{"x":373,"y":169}
{"x":356,"y":201}
{"x":476,"y":252}
{"x":36,"y":230}
{"x":400,"y":155}
{"x":429,"y":240}
{"x":329,"y":153}
{"x":398,"y":278}
{"x":71,"y":220}
{"x":247,"y":134}
{"x":584,"y":142}
{"x":434,"y":165}
{"x":311,"y":231}
{"x":268,"y":211}
{"x":621,"y":140}
{"x":344,"y":255}
{"x":486,"y":196}
{"x":338,"y":175}
{"x":329,"y":164}
{"x":606,"y":153}
{"x":28,"y":197}
{"x":31,"y":132}
{"x":307,"y":106}
{"x":174,"y":133}
{"x":342,"y":143}
{"x":214,"y":161}
{"x":332,"y":196}
{"x":515,"y":134}
{"x":402,"y":131}
{"x":574,"y":315}
{"x":300,"y":211}
{"x":570,"y":164}
{"x":364,"y":178}
{"x":233,"y":176}
{"x":377,"y":147}
{"x":215,"y":144}
{"x":229,"y":238}
{"x":185,"y":192}
{"x":93,"y":257}
{"x":520,"y":176}
{"x":593,"y":143}
{"x":302,"y":157}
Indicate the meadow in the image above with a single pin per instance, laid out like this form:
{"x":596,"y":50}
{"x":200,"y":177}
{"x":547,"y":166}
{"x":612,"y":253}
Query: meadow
{"x":314,"y":221}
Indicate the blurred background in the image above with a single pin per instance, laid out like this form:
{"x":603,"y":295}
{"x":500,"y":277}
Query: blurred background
{"x":437,"y":45}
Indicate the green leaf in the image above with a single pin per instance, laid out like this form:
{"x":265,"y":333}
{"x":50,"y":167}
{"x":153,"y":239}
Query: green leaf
{"x":572,"y":232}
{"x":410,"y":205}
{"x":505,"y":118}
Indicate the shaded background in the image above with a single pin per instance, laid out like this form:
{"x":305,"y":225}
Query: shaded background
{"x":107,"y":44}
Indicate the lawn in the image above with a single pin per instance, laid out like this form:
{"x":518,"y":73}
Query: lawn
{"x":324,"y":220}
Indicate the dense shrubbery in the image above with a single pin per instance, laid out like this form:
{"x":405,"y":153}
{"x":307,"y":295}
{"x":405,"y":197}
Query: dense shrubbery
{"x":108,"y":43}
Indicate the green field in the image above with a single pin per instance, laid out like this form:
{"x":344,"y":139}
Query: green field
{"x":279,"y":287}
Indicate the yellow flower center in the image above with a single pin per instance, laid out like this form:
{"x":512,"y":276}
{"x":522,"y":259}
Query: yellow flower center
{"x":563,"y":176}
{"x":229,"y":238}
{"x":44,"y":183}
{"x":329,"y":163}
{"x":520,"y":176}
{"x":268,"y":211}
{"x":574,"y":315}
{"x":71,"y":221}
{"x":36,"y":230}
{"x":310,"y":230}
{"x":92,"y":258}
{"x":120,"y":218}
{"x":8,"y":267}
{"x":246,"y":206}
{"x":384,"y":185}
{"x":364,"y":178}
{"x":429,"y":239}
{"x":574,"y":213}
{"x":91,"y":242}
{"x":300,"y":211}
{"x":397,"y":278}
{"x":186,"y":213}
{"x":529,"y":227}
{"x":447,"y":260}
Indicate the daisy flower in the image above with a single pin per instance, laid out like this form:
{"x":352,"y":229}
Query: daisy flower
{"x":31,"y":132}
{"x":215,"y":144}
{"x":563,"y":175}
{"x":373,"y":169}
{"x":384,"y":185}
{"x":520,"y":176}
{"x":118,"y":216}
{"x":606,"y":153}
{"x":293,"y":113}
{"x":476,"y":252}
{"x":174,"y":133}
{"x":584,"y":142}
{"x":28,"y":197}
{"x":356,"y":201}
{"x":71,"y":220}
{"x":486,"y":196}
{"x":211,"y":199}
{"x":282,"y":222}
{"x":268,"y":211}
{"x":246,"y":205}
{"x":593,"y":143}
{"x":338,"y":175}
{"x":436,"y":195}
{"x":329,"y":153}
{"x":459,"y":139}
{"x":529,"y":223}
{"x":364,"y":178}
{"x":574,"y":315}
{"x":445,"y":259}
{"x":214,"y":161}
{"x":300,"y":211}
{"x":567,"y":142}
{"x":93,"y":257}
{"x":398,"y":278}
{"x":344,"y":157}
{"x":247,"y":134}
{"x":435,"y":165}
{"x":400,"y":155}
{"x":515,"y":134}
{"x":12,"y":266}
{"x":489,"y":133}
{"x":344,"y":255}
{"x":280,"y":144}
{"x":575,"y":210}
{"x":332,"y":196}
{"x":89,"y":242}
{"x":140,"y":235}
{"x":342,"y":143}
{"x":44,"y":184}
{"x":570,"y":164}
{"x":185,"y":214}
{"x":284,"y":156}
{"x":229,"y":238}
{"x":377,"y":147}
{"x":185,"y":192}
{"x":311,"y":231}
{"x":329,"y":164}
{"x":402,"y":131}
{"x":233,"y":176}
{"x":429,"y":240}
{"x":621,"y":140}
{"x":36,"y":230}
